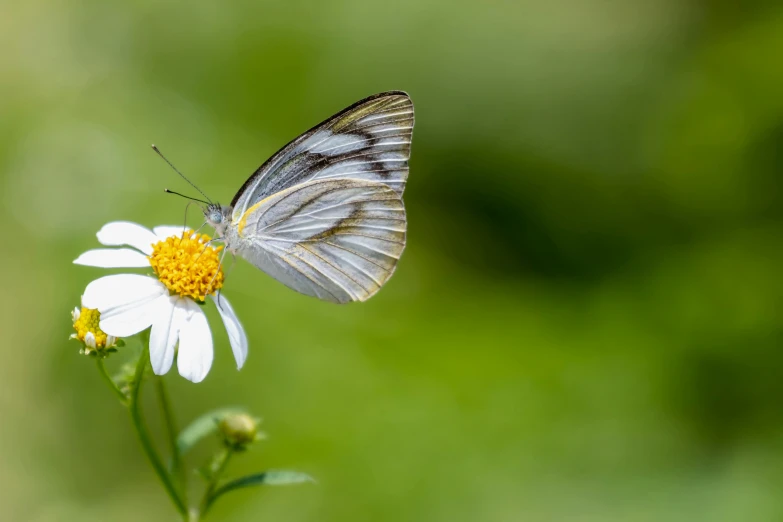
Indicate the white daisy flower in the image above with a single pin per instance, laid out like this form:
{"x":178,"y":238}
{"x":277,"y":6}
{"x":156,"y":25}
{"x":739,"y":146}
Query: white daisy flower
{"x":187,"y":270}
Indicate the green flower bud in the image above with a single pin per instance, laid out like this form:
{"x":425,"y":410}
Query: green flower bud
{"x":239,"y":430}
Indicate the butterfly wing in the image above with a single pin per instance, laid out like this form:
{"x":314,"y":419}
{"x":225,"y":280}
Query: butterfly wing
{"x":370,"y":140}
{"x":336,"y":239}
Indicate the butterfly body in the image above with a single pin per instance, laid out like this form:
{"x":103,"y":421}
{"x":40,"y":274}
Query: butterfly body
{"x":325,"y":214}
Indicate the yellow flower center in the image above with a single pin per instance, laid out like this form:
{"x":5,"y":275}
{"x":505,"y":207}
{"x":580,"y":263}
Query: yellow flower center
{"x":87,"y":322}
{"x":187,"y":265}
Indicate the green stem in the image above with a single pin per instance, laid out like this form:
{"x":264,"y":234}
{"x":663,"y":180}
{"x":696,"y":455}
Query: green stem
{"x":171,"y":432}
{"x":219,"y":467}
{"x":113,"y":385}
{"x":141,"y":430}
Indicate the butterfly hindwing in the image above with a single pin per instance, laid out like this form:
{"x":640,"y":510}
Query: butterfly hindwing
{"x":336,"y":239}
{"x":370,"y":140}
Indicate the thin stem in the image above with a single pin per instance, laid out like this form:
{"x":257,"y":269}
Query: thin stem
{"x":106,"y":377}
{"x":141,"y":430}
{"x":171,"y":432}
{"x":220,"y":466}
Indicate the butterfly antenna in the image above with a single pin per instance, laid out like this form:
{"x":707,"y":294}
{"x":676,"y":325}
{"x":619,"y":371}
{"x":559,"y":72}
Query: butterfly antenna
{"x":167,"y":191}
{"x":156,"y":149}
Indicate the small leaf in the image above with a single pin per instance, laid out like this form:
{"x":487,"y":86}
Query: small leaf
{"x":267,"y":478}
{"x":217,"y":463}
{"x":204,"y":473}
{"x":275,"y":477}
{"x":203,"y":426}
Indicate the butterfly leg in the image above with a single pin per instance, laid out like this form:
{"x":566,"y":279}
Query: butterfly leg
{"x":199,"y":228}
{"x":206,"y":245}
{"x":233,"y":262}
{"x":220,"y":265}
{"x":185,"y":223}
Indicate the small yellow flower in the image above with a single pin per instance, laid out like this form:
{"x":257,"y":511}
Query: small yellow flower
{"x":86,"y":323}
{"x":187,"y":266}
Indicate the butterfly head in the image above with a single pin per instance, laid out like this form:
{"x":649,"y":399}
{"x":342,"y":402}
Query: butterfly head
{"x":217,"y":216}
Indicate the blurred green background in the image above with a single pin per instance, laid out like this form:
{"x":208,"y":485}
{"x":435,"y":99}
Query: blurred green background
{"x":586,"y":324}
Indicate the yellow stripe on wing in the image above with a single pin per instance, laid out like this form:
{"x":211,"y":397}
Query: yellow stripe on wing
{"x":243,"y":220}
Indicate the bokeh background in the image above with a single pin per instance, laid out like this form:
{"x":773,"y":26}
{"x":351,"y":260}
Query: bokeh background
{"x":586,"y":324}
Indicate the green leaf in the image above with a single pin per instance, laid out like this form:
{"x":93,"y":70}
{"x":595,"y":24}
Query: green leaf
{"x":204,"y":473}
{"x":203,"y":426}
{"x":267,"y":478}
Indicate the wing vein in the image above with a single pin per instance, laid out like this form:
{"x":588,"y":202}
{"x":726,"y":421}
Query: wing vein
{"x":357,"y":254}
{"x":371,"y":237}
{"x":283,"y":257}
{"x":354,"y":297}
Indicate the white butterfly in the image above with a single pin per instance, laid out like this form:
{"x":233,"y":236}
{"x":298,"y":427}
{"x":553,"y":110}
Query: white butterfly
{"x":325,"y":215}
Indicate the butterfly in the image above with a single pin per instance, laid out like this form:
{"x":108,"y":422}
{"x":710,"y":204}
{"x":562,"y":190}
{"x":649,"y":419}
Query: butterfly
{"x":325,"y":215}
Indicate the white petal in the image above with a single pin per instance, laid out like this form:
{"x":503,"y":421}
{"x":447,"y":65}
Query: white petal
{"x":110,"y":341}
{"x":194,"y":358}
{"x":126,"y":233}
{"x":165,"y":332}
{"x":130,"y":321}
{"x":107,"y":291}
{"x":236,"y":334}
{"x":76,"y":314}
{"x":113,"y":258}
{"x":165,"y":231}
{"x":89,"y":340}
{"x":126,"y":302}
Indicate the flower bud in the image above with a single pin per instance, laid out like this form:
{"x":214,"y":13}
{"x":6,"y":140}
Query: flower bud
{"x":239,"y":430}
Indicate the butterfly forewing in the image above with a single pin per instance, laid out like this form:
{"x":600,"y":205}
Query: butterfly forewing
{"x":370,"y":140}
{"x":336,"y":239}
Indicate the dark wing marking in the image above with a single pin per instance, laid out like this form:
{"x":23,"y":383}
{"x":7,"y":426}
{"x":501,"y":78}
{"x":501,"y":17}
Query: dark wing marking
{"x":370,"y":140}
{"x":336,"y":239}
